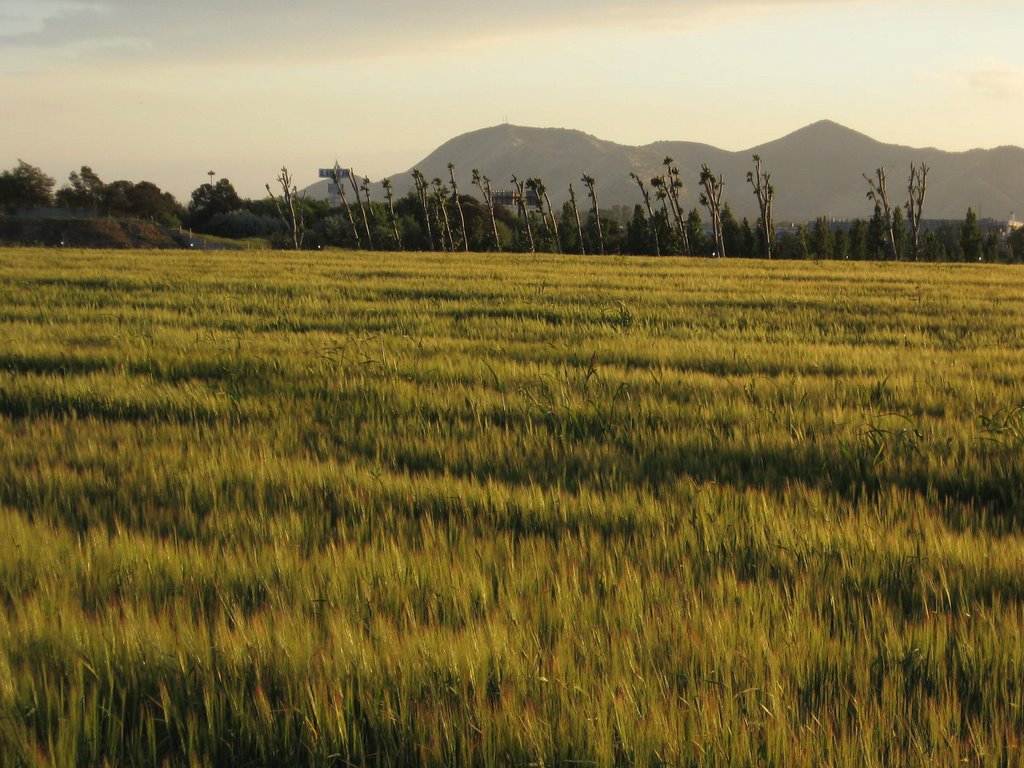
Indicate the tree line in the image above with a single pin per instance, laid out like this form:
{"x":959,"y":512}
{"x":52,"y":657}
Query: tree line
{"x":436,"y":215}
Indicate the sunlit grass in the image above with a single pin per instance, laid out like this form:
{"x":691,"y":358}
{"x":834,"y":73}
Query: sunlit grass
{"x":393,"y":509}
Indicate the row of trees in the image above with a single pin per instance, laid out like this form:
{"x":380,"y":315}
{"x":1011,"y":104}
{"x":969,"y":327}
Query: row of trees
{"x":26,"y":186}
{"x":437,"y":215}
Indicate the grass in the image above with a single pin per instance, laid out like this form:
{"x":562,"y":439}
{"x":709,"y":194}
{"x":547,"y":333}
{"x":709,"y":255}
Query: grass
{"x":388,"y":509}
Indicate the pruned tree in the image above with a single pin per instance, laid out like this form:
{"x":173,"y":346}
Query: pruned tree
{"x":290,"y":207}
{"x":440,"y":198}
{"x":458,"y":206}
{"x":421,"y":192}
{"x":764,"y":190}
{"x":484,"y":184}
{"x":916,"y":188}
{"x":579,"y":224}
{"x":362,"y":210}
{"x":364,"y":185}
{"x":389,"y":194}
{"x":537,"y":186}
{"x":588,"y":182}
{"x":652,"y":222}
{"x":878,"y":194}
{"x":711,"y":198}
{"x":337,"y":175}
{"x":520,"y":195}
{"x":674,"y":188}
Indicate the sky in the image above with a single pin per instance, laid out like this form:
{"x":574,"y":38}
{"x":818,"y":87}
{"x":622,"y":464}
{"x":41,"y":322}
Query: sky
{"x":168,"y":91}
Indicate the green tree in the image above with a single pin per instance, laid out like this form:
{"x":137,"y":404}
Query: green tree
{"x":699,"y":243}
{"x":210,"y":199}
{"x":971,"y":237}
{"x":878,"y":241}
{"x":822,"y":239}
{"x":899,"y":234}
{"x":83,"y":190}
{"x":638,"y":233}
{"x":732,"y":233}
{"x":25,"y":186}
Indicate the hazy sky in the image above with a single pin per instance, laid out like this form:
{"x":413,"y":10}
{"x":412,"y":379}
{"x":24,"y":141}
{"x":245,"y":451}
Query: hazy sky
{"x":166,"y":91}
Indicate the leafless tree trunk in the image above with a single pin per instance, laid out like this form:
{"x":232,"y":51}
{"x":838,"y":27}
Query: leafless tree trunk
{"x":765,"y":192}
{"x":365,"y":186}
{"x":386,"y":183}
{"x":485,"y":190}
{"x":675,"y":186}
{"x":711,"y":198}
{"x":588,"y":182}
{"x":336,"y":175}
{"x":579,"y":224}
{"x":362,"y":210}
{"x":521,"y":201}
{"x":536,"y":185}
{"x":441,"y":205}
{"x":916,"y":189}
{"x":421,"y":190}
{"x":292,"y":211}
{"x":878,"y":194}
{"x":458,"y":205}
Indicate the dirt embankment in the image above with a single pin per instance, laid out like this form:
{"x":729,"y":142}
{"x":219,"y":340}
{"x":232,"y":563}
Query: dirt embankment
{"x":85,"y":233}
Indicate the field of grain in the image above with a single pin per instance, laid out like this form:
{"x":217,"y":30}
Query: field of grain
{"x":392,"y":509}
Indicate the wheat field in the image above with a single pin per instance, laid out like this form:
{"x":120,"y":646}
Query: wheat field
{"x":487,"y":510}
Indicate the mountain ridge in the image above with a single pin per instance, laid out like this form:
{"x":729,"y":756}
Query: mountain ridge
{"x":817,"y":170}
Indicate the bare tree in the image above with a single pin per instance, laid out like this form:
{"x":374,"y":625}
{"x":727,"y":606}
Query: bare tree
{"x":290,"y":207}
{"x":441,"y":206}
{"x":588,"y":182}
{"x":877,"y":193}
{"x":362,"y":210}
{"x":760,"y":180}
{"x":389,"y":193}
{"x":458,"y":205}
{"x":916,"y":189}
{"x":421,"y":192}
{"x":370,"y":218}
{"x":652,"y":222}
{"x":711,"y":198}
{"x":485,"y":190}
{"x":521,"y":204}
{"x":536,"y":185}
{"x":579,"y":224}
{"x":336,"y":175}
{"x":674,"y":188}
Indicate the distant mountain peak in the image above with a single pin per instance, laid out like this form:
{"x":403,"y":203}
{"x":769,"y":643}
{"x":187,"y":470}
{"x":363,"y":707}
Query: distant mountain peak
{"x":817,"y":170}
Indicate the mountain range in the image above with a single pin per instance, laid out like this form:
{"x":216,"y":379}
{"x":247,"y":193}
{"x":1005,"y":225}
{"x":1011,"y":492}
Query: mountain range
{"x":816,"y":171}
